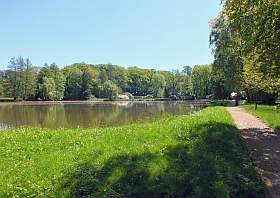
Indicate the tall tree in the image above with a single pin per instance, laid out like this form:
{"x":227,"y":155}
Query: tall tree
{"x":227,"y":74}
{"x":138,"y":81}
{"x":88,"y":82}
{"x":29,"y":75}
{"x":13,"y":79}
{"x":257,"y":22}
{"x":74,"y":80}
{"x":110,"y":90}
{"x":21,"y":78}
{"x":201,"y":76}
{"x":58,"y":77}
{"x":157,"y":85}
{"x":48,"y":88}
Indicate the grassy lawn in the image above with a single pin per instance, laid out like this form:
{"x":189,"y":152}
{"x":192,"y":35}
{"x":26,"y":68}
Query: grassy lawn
{"x":200,"y":155}
{"x":268,"y":114}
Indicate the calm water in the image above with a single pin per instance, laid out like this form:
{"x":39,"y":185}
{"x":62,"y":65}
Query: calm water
{"x":93,"y":115}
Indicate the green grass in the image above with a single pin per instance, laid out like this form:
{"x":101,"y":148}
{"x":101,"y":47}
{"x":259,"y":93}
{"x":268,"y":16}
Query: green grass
{"x":269,"y":114}
{"x":220,"y":102}
{"x":200,"y":155}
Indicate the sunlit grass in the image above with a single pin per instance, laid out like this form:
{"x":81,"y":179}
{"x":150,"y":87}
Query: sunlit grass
{"x":268,"y":113}
{"x":197,"y":155}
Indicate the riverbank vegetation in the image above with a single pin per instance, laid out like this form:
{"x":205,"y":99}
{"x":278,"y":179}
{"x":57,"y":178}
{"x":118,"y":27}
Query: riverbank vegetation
{"x":200,"y":155}
{"x":81,"y":81}
{"x":269,"y":114}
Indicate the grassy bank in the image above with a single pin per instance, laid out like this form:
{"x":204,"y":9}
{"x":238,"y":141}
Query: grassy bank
{"x":220,"y":102}
{"x":4,"y":99}
{"x":201,"y":155}
{"x":268,"y":114}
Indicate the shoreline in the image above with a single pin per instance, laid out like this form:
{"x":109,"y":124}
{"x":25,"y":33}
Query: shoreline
{"x":95,"y":102}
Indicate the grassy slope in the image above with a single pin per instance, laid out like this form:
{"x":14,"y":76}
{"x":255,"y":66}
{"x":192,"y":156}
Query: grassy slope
{"x":268,"y":114}
{"x":201,"y":155}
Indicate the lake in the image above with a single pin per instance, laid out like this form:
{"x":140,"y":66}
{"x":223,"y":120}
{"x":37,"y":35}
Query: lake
{"x":88,"y":115}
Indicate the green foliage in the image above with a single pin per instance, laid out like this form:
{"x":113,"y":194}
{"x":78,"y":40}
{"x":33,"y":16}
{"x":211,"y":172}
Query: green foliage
{"x":257,"y":22}
{"x":201,"y":75}
{"x":81,"y":81}
{"x":29,"y":77}
{"x":110,"y":90}
{"x":88,"y":82}
{"x":20,"y":79}
{"x":116,"y":74}
{"x":14,"y":84}
{"x":227,"y":67}
{"x":138,"y":81}
{"x":74,"y":81}
{"x":255,"y":79}
{"x":157,"y":85}
{"x":179,"y":83}
{"x":2,"y":88}
{"x":201,"y":155}
{"x":48,"y":88}
{"x":186,"y":85}
{"x":246,"y":38}
{"x":59,"y":80}
{"x":173,"y":83}
{"x":51,"y":73}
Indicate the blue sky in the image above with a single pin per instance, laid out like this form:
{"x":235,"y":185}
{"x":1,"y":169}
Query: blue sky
{"x":160,"y":34}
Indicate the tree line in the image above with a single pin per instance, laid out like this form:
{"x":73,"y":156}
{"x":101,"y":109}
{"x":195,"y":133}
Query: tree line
{"x":245,"y":40}
{"x":80,"y":81}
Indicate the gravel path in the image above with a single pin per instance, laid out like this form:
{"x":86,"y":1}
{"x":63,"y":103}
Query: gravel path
{"x":264,"y":146}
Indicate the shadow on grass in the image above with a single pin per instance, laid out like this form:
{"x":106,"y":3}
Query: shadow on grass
{"x":210,"y":162}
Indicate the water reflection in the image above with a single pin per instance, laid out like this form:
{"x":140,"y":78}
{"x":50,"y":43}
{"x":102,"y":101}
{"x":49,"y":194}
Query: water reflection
{"x":88,"y":115}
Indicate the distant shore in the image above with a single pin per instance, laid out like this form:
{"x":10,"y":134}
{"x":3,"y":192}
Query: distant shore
{"x":38,"y":102}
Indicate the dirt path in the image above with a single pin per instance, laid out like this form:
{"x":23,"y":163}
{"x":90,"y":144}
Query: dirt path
{"x":264,"y":145}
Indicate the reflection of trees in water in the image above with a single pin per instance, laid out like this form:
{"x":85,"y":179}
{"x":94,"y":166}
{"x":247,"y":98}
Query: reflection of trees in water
{"x":52,"y":116}
{"x":88,"y":115}
{"x":92,"y":115}
{"x":32,"y":115}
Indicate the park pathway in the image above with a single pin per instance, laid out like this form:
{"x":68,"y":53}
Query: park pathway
{"x":264,"y":146}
